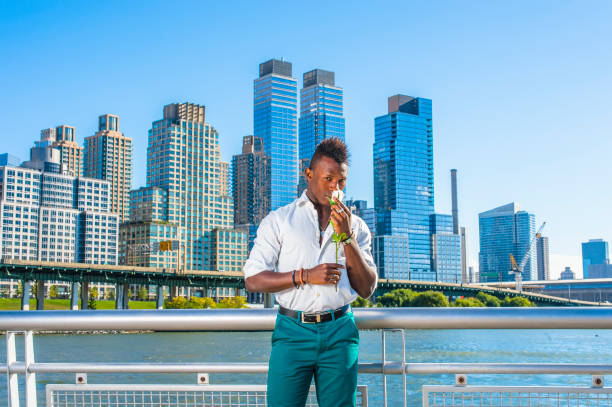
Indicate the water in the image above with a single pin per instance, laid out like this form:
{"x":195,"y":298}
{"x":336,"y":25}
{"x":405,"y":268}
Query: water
{"x":468,"y":346}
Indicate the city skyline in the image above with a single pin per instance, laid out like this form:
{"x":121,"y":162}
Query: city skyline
{"x":521,"y":120}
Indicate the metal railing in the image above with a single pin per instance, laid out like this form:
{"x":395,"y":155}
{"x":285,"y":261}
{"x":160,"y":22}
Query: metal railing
{"x":263,"y":319}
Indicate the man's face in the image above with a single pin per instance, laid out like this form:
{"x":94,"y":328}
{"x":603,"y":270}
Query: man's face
{"x":325,"y":177}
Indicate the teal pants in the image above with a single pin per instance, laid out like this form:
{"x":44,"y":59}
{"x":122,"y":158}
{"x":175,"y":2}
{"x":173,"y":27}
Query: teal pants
{"x":327,"y":351}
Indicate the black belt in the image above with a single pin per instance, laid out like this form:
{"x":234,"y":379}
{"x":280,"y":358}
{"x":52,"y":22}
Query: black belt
{"x":314,"y":317}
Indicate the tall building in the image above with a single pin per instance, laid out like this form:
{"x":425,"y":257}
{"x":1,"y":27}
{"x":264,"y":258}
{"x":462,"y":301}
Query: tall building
{"x":321,"y":115}
{"x":404,"y":189}
{"x":503,"y":231}
{"x":275,"y":122}
{"x":250,"y":174}
{"x":567,"y":274}
{"x":43,"y":156}
{"x":543,"y":258}
{"x":149,"y":225}
{"x":108,"y":156}
{"x":360,"y":208}
{"x":595,"y":251}
{"x":8,"y":159}
{"x":184,"y":173}
{"x":48,"y":216}
{"x":71,"y":154}
{"x":445,"y":249}
{"x":224,"y":181}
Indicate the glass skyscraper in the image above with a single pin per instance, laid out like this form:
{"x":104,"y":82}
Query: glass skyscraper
{"x":505,"y":230}
{"x":594,"y":252}
{"x":321,"y":115}
{"x":275,"y":122}
{"x":404,"y":189}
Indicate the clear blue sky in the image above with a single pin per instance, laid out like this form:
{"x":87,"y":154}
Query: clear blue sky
{"x":521,"y":90}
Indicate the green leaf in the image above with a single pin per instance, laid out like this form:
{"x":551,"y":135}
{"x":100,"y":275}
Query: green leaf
{"x":331,"y":201}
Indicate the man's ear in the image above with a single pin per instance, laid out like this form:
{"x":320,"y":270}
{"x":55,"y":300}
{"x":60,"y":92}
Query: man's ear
{"x":308,"y":173}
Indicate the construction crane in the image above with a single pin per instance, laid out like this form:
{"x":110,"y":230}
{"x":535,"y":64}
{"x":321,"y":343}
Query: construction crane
{"x":518,"y":269}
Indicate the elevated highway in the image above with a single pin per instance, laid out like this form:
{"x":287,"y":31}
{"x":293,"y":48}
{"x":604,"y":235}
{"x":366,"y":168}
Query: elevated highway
{"x":122,"y":276}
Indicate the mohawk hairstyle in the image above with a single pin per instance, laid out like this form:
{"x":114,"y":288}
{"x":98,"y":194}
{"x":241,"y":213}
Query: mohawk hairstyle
{"x":333,"y":148}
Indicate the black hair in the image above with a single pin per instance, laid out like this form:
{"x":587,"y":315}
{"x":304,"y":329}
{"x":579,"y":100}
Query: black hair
{"x":333,"y":148}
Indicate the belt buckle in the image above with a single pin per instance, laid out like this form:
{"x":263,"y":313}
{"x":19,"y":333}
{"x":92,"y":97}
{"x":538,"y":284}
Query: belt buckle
{"x":317,"y":316}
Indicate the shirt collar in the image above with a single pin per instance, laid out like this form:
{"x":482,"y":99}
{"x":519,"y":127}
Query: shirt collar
{"x":304,"y":200}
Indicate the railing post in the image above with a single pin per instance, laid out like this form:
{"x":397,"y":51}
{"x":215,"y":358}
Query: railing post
{"x":25,"y":295}
{"x":160,"y":296}
{"x":84,"y":295}
{"x":384,"y":362}
{"x":40,"y":295}
{"x":74,"y":296}
{"x":30,"y":378}
{"x":11,"y":378}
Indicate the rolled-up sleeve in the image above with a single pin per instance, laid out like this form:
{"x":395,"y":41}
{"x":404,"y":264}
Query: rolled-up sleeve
{"x":264,"y":255}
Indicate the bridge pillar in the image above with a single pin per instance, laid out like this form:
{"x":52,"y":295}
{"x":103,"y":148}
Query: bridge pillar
{"x":126,"y":296}
{"x":118,"y":296}
{"x":40,"y":295}
{"x":25,"y":295}
{"x":173,"y":291}
{"x":84,"y":294}
{"x":74,"y":296}
{"x":160,"y":297}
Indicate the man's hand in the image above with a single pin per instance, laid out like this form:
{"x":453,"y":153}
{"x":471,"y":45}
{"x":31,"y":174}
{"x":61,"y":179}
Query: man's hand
{"x":341,"y":218}
{"x":326,"y":273}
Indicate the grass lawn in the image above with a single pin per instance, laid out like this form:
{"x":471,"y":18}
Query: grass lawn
{"x":14,"y":304}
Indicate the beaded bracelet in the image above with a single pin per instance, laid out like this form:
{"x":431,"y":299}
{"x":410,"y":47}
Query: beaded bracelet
{"x":293,"y":279}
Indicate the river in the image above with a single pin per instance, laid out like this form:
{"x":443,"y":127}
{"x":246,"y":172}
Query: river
{"x":504,"y":346}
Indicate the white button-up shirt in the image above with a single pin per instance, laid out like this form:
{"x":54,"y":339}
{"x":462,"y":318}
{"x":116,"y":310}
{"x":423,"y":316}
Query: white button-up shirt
{"x":288,"y":239}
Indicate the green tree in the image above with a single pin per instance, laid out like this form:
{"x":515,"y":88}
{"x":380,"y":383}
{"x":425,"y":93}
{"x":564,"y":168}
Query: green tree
{"x":53,"y":291}
{"x":488,"y":299}
{"x":109,"y":294}
{"x":93,"y":295}
{"x":362,"y":303}
{"x":19,"y":289}
{"x":201,"y":303}
{"x":143,"y":294}
{"x":430,"y":299}
{"x":468,"y":302}
{"x":175,"y":303}
{"x":517,"y":302}
{"x":233,"y":302}
{"x":405,"y":296}
{"x":389,"y":300}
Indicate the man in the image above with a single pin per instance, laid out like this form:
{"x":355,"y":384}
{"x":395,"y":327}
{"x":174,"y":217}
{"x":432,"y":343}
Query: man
{"x":294,"y":256}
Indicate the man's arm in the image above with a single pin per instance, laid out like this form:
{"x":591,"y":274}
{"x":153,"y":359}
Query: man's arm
{"x":269,"y":281}
{"x":361,"y":275}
